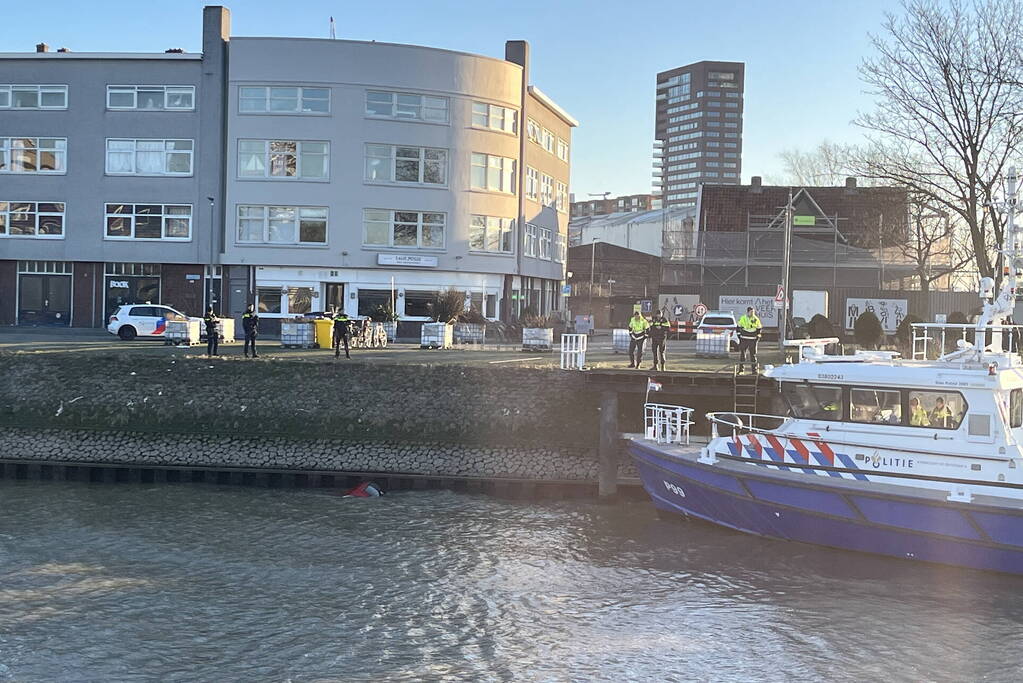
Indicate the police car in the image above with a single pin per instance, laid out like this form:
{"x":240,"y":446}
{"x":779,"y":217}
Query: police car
{"x":142,"y":320}
{"x":720,"y":322}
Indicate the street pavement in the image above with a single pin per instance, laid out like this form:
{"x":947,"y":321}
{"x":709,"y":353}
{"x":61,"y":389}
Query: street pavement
{"x":681,"y":354}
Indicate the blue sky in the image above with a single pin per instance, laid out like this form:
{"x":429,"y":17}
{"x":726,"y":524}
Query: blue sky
{"x":596,"y":59}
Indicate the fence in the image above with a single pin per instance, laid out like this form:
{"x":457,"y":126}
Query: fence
{"x":667,"y":424}
{"x":573,"y":351}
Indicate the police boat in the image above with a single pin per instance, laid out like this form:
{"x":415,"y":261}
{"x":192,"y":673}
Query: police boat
{"x":918,"y":458}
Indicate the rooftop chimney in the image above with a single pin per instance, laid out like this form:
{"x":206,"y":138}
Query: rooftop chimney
{"x":850,"y":185}
{"x":63,"y":49}
{"x":756,"y":184}
{"x":42,"y":47}
{"x":175,"y":51}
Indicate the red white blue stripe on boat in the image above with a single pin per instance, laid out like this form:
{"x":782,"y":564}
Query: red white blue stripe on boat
{"x":788,"y":453}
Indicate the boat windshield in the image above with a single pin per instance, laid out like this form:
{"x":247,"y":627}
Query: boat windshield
{"x":814,"y":401}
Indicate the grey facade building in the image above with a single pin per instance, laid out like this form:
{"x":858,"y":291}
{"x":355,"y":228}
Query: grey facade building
{"x":698,"y":129}
{"x":107,"y":164}
{"x":300,"y":174}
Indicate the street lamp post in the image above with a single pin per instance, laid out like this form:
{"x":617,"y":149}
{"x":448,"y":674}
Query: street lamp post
{"x":209,"y":296}
{"x":610,"y":305}
{"x":593,"y":260}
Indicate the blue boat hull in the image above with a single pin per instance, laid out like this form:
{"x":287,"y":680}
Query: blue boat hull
{"x":812,"y":509}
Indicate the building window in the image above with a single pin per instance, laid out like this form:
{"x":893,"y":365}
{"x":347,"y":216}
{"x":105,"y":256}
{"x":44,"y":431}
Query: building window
{"x":46,"y":267}
{"x":151,"y":97}
{"x":33,"y":97}
{"x":546,"y":190}
{"x":419,"y":304}
{"x":262,"y":99}
{"x":130,"y":156}
{"x":149,"y":221}
{"x":268,"y":299}
{"x":562,"y":197}
{"x":493,"y":173}
{"x":403,"y":229}
{"x":732,"y":94}
{"x":283,"y":159}
{"x":529,"y":240}
{"x":545,"y":242}
{"x":532,"y":183}
{"x":406,"y":106}
{"x":494,"y":117}
{"x":300,"y":225}
{"x":491,"y":234}
{"x":560,"y":248}
{"x":548,"y":140}
{"x":533,"y":130}
{"x":563,"y":150}
{"x":32,"y":219}
{"x":399,"y":164}
{"x":33,"y":155}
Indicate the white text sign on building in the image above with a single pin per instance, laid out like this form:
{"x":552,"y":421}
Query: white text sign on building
{"x":763,"y":305}
{"x":889,"y":311}
{"x":411,"y":260}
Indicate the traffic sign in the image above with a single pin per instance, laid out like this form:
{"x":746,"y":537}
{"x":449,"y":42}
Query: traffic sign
{"x":700,"y":310}
{"x":780,"y":295}
{"x":678,"y":310}
{"x":647,"y":305}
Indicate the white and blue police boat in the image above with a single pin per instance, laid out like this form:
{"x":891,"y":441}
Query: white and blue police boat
{"x":910,"y":458}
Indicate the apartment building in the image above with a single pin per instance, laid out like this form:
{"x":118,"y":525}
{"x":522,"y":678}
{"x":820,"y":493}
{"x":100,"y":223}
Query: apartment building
{"x":607,"y":205}
{"x":109,"y":163}
{"x":299,"y":174}
{"x":698,"y":129}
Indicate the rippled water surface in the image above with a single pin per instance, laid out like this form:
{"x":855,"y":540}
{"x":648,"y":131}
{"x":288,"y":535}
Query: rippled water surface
{"x":186,"y":583}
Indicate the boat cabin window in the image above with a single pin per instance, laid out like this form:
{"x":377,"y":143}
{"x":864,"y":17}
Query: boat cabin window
{"x":814,"y":401}
{"x":1016,"y":408}
{"x":877,"y":406}
{"x":936,"y":409}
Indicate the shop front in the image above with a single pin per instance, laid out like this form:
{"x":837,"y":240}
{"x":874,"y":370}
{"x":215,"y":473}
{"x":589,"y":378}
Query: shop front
{"x":130,"y":283}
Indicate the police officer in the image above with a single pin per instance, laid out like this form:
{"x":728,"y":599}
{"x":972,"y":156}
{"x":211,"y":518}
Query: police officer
{"x":212,"y":333}
{"x":342,"y":332}
{"x":750,"y":328}
{"x":250,"y":325}
{"x":638,"y":327}
{"x":658,"y":337}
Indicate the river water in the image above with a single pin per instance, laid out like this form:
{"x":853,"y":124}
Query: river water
{"x":203,"y":583}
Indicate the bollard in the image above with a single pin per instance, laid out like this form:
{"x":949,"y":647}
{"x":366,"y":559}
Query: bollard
{"x":607,"y":482}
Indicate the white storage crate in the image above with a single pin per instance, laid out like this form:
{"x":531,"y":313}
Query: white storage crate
{"x":469,"y":333}
{"x":537,"y":338}
{"x":436,"y":336}
{"x":620,"y":340}
{"x":392,"y":330}
{"x":183,"y":332}
{"x":298,"y":335}
{"x":712,"y":343}
{"x":225,"y":327}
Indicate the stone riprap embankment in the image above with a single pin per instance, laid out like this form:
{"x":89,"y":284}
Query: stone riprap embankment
{"x":183,"y":409}
{"x":280,"y":453}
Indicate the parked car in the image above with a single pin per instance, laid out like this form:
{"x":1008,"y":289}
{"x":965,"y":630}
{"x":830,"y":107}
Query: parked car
{"x":142,"y":320}
{"x":720,"y":322}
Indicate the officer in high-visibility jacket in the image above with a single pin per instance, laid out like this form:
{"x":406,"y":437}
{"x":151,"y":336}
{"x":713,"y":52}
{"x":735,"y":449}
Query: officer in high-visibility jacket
{"x":749,"y":330}
{"x":342,"y":333}
{"x":658,"y":332}
{"x":638,"y":326}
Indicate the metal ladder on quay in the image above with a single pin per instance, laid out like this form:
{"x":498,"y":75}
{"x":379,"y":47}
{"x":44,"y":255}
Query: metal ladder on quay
{"x":745,"y":390}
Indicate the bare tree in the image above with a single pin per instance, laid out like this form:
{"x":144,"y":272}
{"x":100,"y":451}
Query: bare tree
{"x":826,"y":164}
{"x":947,"y":119}
{"x":932,"y":246}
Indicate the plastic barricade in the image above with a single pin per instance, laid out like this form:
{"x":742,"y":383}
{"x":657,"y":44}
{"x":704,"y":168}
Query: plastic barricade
{"x":436,"y":336}
{"x":469,"y":333}
{"x":713,"y":344}
{"x":620,"y":341}
{"x":537,"y":338}
{"x":573,"y":351}
{"x":183,"y":332}
{"x":298,"y":335}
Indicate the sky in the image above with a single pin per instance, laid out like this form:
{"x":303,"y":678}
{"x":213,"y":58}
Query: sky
{"x":598,"y":60}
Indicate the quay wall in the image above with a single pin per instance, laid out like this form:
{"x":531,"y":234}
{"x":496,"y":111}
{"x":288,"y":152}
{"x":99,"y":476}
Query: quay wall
{"x":186,"y":410}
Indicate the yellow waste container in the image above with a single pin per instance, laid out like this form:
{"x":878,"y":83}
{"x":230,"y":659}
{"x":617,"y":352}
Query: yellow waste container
{"x":324,"y":332}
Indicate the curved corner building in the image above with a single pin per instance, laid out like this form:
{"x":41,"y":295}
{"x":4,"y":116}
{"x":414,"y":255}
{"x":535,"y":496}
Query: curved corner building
{"x":358,"y":173}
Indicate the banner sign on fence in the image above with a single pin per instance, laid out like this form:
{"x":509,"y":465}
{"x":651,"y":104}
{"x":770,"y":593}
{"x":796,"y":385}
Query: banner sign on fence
{"x":889,"y":311}
{"x":763,"y":305}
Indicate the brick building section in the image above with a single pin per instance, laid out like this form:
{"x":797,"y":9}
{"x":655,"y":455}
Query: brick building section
{"x":178,"y":291}
{"x":861,"y":210}
{"x":8,"y":292}
{"x":637,"y":276}
{"x":622,"y":204}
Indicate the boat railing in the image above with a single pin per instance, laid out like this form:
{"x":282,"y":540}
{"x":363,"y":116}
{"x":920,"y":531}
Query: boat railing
{"x":743,"y":423}
{"x":933,"y":340}
{"x":665,"y":423}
